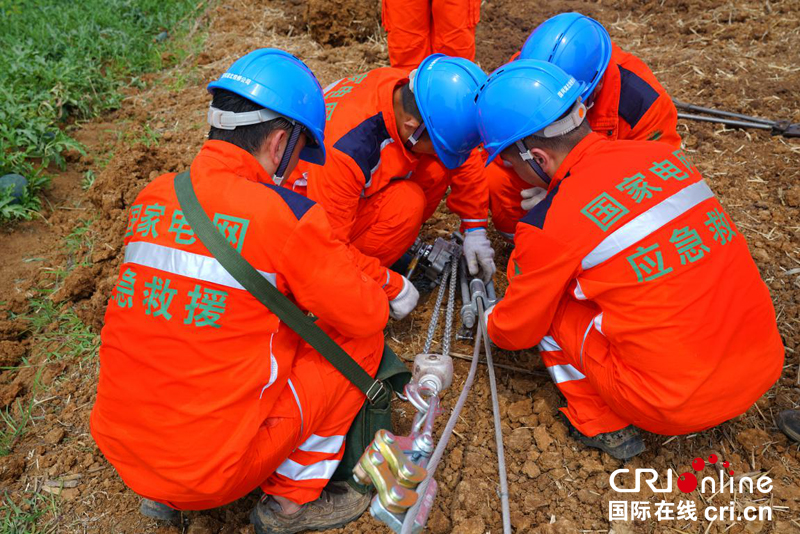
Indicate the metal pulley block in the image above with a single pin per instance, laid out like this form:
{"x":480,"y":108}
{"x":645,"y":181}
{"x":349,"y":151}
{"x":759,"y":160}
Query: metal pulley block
{"x":394,"y":476}
{"x":434,"y":371}
{"x":395,"y":465}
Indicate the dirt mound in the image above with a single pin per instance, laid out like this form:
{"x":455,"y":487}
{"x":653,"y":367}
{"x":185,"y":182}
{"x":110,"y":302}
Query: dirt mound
{"x":342,"y":22}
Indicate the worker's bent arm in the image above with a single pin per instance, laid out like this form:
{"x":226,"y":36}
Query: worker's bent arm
{"x":338,"y":187}
{"x":324,"y":279}
{"x":540,"y":270}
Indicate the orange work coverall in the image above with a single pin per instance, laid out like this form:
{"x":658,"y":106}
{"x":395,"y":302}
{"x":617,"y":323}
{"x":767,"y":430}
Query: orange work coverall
{"x":416,"y":29}
{"x":376,"y":193}
{"x":630,"y":104}
{"x":641,"y":292}
{"x":204,"y":394}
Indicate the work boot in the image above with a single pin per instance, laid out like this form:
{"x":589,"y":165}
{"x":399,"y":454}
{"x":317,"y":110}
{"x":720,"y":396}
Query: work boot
{"x":159,"y":511}
{"x":789,"y":422}
{"x":621,"y":444}
{"x":338,"y":505}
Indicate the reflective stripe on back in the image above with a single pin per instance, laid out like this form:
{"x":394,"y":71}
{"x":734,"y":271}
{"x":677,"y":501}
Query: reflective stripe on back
{"x":183,"y":263}
{"x":648,"y":222}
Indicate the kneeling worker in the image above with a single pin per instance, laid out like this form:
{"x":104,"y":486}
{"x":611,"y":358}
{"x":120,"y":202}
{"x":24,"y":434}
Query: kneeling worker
{"x":647,"y":306}
{"x":204,"y":394}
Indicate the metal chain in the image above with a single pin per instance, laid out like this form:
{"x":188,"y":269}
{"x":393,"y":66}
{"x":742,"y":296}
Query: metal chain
{"x":435,"y":314}
{"x":451,"y":304}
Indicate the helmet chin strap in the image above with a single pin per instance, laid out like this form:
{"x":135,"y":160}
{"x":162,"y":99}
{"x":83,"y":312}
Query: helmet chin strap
{"x":525,"y":154}
{"x":413,"y":139}
{"x":294,"y":136}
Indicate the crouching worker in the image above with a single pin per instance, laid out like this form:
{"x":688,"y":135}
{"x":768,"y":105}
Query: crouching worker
{"x":396,"y":142}
{"x":622,"y":96}
{"x":648,"y":310}
{"x":204,"y":395}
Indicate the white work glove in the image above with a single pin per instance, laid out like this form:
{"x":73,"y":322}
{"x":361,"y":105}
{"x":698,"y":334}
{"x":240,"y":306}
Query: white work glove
{"x":478,"y":251}
{"x":405,"y":301}
{"x":531,"y":197}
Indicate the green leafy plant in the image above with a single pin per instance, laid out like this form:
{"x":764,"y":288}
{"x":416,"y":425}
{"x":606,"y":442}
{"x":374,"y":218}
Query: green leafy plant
{"x":22,"y":515}
{"x":64,"y":62}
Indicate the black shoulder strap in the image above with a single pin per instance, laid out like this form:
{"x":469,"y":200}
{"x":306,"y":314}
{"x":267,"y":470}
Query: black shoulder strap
{"x":268,"y":295}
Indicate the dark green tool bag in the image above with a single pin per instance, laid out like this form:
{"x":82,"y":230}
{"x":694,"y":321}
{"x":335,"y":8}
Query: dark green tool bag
{"x":392,"y":375}
{"x":372,"y":417}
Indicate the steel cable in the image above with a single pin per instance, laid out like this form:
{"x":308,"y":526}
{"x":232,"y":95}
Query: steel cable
{"x":498,"y":430}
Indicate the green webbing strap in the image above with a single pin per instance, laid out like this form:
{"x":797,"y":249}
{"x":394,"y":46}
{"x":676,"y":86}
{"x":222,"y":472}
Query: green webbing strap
{"x":268,"y":295}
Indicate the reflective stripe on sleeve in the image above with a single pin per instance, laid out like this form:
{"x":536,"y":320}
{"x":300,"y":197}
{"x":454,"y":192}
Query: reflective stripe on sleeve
{"x":564,"y":373}
{"x":299,"y":406}
{"x":548,"y":343}
{"x":318,"y":470}
{"x":579,"y":291}
{"x":373,"y":170}
{"x":183,"y":263}
{"x":648,"y":222}
{"x":273,"y":371}
{"x":327,"y":445}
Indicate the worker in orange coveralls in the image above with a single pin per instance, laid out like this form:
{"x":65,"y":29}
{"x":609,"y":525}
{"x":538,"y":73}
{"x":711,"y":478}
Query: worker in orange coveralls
{"x":395,"y":144}
{"x":204,"y":395}
{"x":623,"y":98}
{"x":416,"y":29}
{"x":648,"y":310}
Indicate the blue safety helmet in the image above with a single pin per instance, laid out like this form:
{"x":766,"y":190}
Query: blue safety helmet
{"x":444,"y":88}
{"x":578,"y":44}
{"x":285,"y":86}
{"x":523,"y":98}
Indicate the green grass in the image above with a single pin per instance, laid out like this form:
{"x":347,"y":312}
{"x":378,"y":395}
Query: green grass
{"x":59,"y":334}
{"x":58,"y":328}
{"x":22,"y":516}
{"x":13,"y":427}
{"x":67,"y":61}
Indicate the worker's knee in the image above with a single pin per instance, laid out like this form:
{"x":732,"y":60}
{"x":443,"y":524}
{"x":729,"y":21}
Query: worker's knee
{"x":391,"y":221}
{"x":405,"y":201}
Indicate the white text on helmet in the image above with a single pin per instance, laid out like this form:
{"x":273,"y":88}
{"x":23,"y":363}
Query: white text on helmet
{"x":238,"y":78}
{"x":566,"y":87}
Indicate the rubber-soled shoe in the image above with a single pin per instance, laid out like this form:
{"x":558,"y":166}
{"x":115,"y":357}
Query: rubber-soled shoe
{"x":159,"y":511}
{"x":338,"y":505}
{"x":621,"y":444}
{"x":789,"y":422}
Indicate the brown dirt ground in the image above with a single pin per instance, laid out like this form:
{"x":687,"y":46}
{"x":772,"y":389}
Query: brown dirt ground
{"x":741,"y":56}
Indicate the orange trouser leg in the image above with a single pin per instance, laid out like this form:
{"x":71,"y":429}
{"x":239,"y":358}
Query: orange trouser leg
{"x":561,"y":353}
{"x":300,"y":444}
{"x":388,"y":222}
{"x":454,"y":24}
{"x":408,"y":28}
{"x":505,"y":189}
{"x":329,"y":403}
